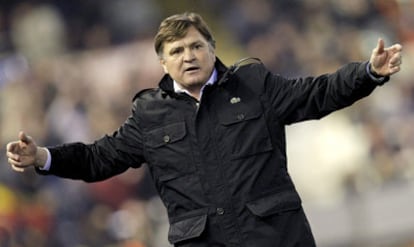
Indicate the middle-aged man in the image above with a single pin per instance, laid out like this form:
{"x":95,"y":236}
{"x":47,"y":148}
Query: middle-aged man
{"x":214,"y":139}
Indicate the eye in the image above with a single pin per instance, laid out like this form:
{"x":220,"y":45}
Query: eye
{"x":176,"y":51}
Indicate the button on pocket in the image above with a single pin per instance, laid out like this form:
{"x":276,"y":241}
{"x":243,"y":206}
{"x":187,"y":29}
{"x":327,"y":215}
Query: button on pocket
{"x":168,"y":134}
{"x":220,"y":211}
{"x":245,"y":125}
{"x":240,"y":116}
{"x":167,"y":147}
{"x":166,"y":138}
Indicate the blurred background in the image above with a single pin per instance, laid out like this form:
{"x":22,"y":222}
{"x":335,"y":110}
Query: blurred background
{"x":69,"y":69}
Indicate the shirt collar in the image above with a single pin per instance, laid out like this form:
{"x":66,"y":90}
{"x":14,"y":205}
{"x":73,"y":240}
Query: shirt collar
{"x":179,"y":89}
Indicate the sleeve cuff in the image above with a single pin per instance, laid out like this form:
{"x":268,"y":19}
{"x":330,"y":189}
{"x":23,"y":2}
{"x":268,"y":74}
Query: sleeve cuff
{"x":48,"y":163}
{"x":380,"y":80}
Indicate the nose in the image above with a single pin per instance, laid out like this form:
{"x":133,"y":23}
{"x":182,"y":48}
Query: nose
{"x":188,"y":55}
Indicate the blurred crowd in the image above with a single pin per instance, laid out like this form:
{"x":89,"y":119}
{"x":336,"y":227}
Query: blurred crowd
{"x":69,"y":69}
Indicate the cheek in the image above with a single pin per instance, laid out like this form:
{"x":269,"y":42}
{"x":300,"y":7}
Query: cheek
{"x":212,"y":61}
{"x":165,"y":69}
{"x":170,"y":68}
{"x":212,"y":58}
{"x":164,"y":66}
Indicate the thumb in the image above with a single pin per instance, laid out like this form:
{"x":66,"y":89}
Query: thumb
{"x":25,"y":138}
{"x":380,"y":47}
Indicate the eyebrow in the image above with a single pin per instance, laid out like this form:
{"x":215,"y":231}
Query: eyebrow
{"x":196,"y":42}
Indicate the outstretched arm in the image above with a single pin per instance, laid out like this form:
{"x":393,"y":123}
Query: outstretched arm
{"x":386,"y":61}
{"x":25,"y":153}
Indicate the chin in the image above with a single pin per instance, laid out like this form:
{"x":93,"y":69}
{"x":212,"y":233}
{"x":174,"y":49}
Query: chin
{"x":195,"y":82}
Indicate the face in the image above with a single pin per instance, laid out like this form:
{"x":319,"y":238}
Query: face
{"x":189,"y":60}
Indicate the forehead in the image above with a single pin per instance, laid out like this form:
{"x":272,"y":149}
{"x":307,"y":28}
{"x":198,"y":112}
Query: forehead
{"x":192,"y":35}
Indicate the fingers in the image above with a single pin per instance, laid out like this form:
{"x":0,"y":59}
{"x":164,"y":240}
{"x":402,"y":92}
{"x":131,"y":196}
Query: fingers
{"x":390,"y":57}
{"x":13,"y":155}
{"x":395,"y":63}
{"x":380,"y":46}
{"x":25,"y":138}
{"x":11,"y":146}
{"x":17,"y":169}
{"x":16,"y":165}
{"x":17,"y":162}
{"x":18,"y":154}
{"x":14,"y":159}
{"x":395,"y":48}
{"x":14,"y":162}
{"x":12,"y":151}
{"x":394,"y":70}
{"x":395,"y":60}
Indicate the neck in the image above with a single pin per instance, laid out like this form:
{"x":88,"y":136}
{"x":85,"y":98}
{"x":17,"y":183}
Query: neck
{"x":192,"y":90}
{"x":195,"y":91}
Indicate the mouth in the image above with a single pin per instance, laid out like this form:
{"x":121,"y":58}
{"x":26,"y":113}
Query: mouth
{"x":192,"y":68}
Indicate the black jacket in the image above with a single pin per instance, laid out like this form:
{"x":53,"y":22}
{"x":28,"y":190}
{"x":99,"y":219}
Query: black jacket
{"x":220,"y":168}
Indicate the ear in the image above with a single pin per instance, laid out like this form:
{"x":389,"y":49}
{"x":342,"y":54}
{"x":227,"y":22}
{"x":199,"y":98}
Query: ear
{"x":164,"y":66}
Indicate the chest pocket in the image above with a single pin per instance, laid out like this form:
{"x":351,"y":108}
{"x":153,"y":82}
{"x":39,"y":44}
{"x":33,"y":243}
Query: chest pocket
{"x":244,"y":129}
{"x":168,"y":149}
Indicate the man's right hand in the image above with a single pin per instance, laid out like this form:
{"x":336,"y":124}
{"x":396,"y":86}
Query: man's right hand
{"x":25,"y":153}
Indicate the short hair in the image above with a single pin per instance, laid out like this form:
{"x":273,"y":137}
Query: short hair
{"x":176,"y":26}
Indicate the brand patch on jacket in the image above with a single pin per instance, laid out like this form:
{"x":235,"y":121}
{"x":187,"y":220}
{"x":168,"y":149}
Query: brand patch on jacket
{"x":235,"y":100}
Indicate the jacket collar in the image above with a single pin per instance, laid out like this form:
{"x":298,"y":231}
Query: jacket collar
{"x":166,"y":83}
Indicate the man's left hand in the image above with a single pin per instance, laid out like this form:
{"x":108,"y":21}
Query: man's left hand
{"x":386,"y":61}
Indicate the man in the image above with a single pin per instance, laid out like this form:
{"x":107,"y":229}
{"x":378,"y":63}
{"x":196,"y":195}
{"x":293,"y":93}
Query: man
{"x":214,"y":139}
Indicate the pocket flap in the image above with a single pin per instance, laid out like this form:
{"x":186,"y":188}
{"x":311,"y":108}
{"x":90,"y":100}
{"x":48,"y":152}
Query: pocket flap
{"x":165,"y":135}
{"x":186,"y":228}
{"x":275,"y":203}
{"x":239,"y":112}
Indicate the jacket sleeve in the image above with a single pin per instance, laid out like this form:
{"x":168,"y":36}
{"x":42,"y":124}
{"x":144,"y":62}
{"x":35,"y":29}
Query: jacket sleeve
{"x":301,"y":99}
{"x":106,"y":157}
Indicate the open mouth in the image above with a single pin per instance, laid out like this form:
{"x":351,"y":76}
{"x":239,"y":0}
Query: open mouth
{"x":193,"y":68}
